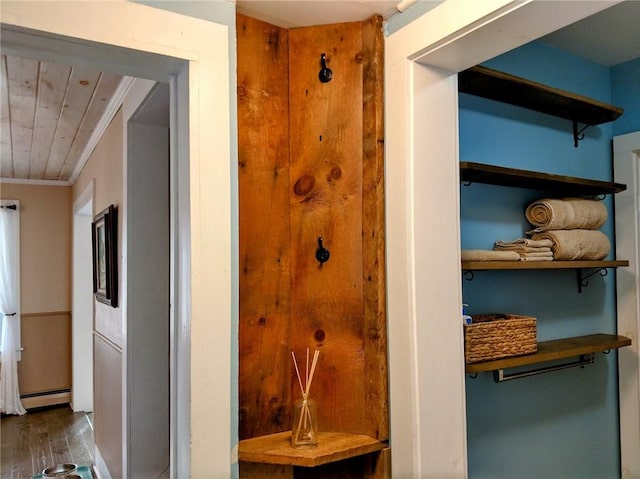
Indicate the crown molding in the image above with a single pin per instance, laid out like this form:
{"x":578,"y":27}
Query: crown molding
{"x":27,"y":181}
{"x":102,"y":125}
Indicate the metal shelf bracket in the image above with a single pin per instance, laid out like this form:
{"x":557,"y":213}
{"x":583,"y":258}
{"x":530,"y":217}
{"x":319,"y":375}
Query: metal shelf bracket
{"x":500,"y":376}
{"x":582,"y":278}
{"x":578,"y":135}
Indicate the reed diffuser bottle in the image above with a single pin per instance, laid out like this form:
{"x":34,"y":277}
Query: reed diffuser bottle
{"x":304,"y":430}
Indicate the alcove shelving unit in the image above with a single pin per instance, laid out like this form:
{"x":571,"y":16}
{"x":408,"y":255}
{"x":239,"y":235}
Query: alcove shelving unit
{"x":507,"y":88}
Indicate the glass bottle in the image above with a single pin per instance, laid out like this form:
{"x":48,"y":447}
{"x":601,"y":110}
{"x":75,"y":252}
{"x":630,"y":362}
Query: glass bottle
{"x":304,"y":430}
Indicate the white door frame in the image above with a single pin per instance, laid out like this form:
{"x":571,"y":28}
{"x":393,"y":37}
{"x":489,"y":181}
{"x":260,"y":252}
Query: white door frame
{"x":192,"y":54}
{"x":626,"y":168}
{"x":426,"y":370}
{"x":82,"y":303}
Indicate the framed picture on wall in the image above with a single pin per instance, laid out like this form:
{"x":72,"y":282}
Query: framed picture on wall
{"x":105,"y":258}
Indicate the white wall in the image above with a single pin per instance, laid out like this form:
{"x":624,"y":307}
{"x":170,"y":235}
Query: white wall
{"x":626,"y":167}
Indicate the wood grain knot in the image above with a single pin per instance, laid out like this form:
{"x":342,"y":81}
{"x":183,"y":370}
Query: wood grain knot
{"x":319,"y":335}
{"x":242,"y":91}
{"x":334,"y":174}
{"x":359,"y":57}
{"x":262,"y":321}
{"x":304,"y":185}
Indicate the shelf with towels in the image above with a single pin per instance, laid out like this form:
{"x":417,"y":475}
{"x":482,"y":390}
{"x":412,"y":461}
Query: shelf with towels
{"x":564,"y":185}
{"x":504,"y":87}
{"x":582,"y":347}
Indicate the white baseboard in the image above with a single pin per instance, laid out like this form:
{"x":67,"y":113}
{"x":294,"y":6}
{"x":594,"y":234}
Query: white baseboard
{"x":46,"y":400}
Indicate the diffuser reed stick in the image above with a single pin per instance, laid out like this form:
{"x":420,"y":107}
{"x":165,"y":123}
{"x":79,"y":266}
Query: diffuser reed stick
{"x":305,"y":432}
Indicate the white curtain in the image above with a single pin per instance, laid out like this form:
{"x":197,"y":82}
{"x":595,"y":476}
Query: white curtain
{"x":9,"y":308}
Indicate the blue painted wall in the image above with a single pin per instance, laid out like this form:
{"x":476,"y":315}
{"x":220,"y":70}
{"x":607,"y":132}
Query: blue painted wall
{"x":563,"y":424}
{"x":625,"y":83}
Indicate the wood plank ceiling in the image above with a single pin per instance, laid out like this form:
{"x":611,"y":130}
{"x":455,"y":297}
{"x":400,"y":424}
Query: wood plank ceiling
{"x":48,"y":115}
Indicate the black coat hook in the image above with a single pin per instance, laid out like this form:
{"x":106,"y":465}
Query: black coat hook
{"x":322,"y":253}
{"x":325,"y":73}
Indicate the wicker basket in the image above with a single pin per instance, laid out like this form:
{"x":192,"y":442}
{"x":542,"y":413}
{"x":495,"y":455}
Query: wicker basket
{"x":494,"y":336}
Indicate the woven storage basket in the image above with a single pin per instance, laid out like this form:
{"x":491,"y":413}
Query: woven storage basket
{"x":494,"y":336}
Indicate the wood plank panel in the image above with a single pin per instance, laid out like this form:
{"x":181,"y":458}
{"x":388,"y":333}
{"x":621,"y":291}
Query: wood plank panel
{"x":376,"y":465}
{"x":6,"y":156}
{"x":46,"y":359}
{"x":254,"y":470}
{"x":373,"y":233}
{"x":105,"y":88}
{"x":326,"y":201}
{"x":52,"y":85}
{"x":82,"y":83}
{"x":263,"y":153}
{"x":22,"y":74}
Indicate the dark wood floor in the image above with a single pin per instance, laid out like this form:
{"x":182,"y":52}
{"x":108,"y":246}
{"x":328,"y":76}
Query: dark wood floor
{"x":44,"y":437}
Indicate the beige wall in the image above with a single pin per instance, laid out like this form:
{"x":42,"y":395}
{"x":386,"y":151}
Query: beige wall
{"x":45,"y":246}
{"x":45,"y":286}
{"x":104,"y":169}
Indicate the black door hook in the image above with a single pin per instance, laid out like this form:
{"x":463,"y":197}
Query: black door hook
{"x":322,"y":253}
{"x":325,"y":73}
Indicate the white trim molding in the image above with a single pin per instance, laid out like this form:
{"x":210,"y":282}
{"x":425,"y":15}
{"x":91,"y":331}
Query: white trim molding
{"x":626,"y":164}
{"x":25,"y":181}
{"x":105,"y":120}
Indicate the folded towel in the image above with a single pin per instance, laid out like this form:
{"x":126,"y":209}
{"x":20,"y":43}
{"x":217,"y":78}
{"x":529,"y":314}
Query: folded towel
{"x":537,"y":256}
{"x":488,"y":255}
{"x":525,"y":249}
{"x":566,"y":214}
{"x":577,"y":244}
{"x":523,"y":242}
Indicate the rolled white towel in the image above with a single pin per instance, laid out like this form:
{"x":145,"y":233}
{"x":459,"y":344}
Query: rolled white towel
{"x":571,"y":245}
{"x":566,"y":214}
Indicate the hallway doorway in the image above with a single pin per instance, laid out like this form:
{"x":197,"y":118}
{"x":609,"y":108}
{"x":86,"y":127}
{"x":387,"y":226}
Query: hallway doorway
{"x":152,"y":43}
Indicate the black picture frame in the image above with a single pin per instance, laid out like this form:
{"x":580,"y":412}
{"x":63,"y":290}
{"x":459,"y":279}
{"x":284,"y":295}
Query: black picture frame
{"x":105,"y":258}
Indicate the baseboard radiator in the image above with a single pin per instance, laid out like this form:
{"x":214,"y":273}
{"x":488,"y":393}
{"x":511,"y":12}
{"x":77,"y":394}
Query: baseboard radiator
{"x":46,"y":398}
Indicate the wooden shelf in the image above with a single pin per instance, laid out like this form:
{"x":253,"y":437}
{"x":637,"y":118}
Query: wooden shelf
{"x":495,"y":85}
{"x":332,"y":447}
{"x":562,"y":185}
{"x":556,"y":349}
{"x":499,"y":265}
